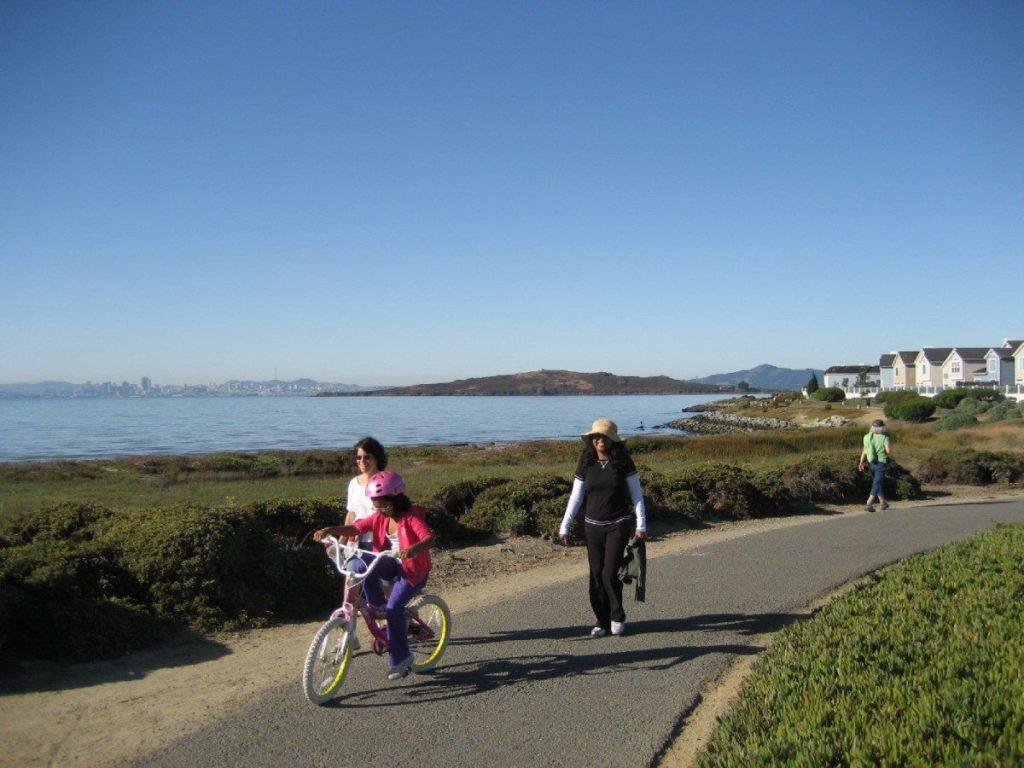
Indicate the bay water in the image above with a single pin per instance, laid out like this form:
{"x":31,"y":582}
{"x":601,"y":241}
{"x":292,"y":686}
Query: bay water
{"x":87,"y":428}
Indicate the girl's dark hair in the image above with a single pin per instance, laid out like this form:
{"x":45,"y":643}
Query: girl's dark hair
{"x":373,"y":447}
{"x":617,"y":454}
{"x":402,"y":503}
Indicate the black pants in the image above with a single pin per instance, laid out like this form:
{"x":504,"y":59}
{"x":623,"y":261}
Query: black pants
{"x":606,"y":546}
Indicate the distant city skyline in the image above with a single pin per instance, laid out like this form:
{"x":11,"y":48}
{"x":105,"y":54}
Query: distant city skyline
{"x":402,"y":193}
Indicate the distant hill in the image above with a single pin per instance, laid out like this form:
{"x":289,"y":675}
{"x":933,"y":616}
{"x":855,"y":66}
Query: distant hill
{"x":767,"y":377}
{"x":40,"y":389}
{"x":550,"y":383}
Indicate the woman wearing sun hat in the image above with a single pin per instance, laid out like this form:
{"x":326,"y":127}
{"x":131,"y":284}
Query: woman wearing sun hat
{"x":607,"y":488}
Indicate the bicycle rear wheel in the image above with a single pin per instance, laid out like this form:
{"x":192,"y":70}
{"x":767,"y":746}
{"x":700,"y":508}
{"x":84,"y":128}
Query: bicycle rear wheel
{"x":430,"y":623}
{"x":328,"y":660}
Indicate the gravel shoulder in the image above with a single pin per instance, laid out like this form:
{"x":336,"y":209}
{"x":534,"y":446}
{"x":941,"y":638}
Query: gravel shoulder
{"x":108,"y":713}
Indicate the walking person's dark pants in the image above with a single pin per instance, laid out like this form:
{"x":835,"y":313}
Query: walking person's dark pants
{"x":606,"y":546}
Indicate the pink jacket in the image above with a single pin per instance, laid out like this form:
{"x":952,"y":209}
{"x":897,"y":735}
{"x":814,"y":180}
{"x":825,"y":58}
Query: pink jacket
{"x":411,"y":527}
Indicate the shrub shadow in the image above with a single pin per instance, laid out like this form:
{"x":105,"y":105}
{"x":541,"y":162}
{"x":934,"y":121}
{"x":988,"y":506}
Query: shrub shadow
{"x":36,"y":676}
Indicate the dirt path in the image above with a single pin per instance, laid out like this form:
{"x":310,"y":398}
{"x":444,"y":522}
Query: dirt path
{"x":108,"y":713}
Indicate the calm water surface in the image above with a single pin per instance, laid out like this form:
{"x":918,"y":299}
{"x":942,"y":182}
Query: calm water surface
{"x":98,"y":428}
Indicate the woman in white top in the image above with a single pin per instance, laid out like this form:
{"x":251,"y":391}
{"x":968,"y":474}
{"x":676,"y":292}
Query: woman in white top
{"x":370,"y":459}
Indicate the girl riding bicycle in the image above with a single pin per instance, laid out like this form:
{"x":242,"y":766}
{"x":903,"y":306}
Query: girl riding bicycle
{"x":400,"y":528}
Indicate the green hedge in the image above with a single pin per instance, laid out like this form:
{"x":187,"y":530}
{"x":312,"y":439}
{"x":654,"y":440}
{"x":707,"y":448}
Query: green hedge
{"x":142,"y":572}
{"x":971,"y":467}
{"x":829,"y":394}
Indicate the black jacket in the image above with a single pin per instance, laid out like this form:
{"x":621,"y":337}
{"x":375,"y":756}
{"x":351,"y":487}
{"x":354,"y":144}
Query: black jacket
{"x":634,"y":566}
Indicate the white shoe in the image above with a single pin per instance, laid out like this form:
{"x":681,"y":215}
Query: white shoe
{"x":618,"y":628}
{"x":598,"y":632}
{"x":401,"y":669}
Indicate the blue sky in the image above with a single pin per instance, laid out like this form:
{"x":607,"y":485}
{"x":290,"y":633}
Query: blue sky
{"x":399,"y":192}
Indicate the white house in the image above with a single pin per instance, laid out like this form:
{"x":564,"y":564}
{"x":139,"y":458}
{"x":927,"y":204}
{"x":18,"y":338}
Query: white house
{"x":854,"y":380}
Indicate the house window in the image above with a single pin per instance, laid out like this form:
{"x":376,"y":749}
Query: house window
{"x":955,"y":369}
{"x":991,"y":365}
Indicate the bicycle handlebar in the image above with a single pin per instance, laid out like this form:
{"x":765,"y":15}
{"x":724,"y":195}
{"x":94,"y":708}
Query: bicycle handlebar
{"x":335,"y":549}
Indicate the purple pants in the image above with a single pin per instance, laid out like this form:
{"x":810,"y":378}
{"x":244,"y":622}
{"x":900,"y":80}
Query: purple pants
{"x":402,"y":591}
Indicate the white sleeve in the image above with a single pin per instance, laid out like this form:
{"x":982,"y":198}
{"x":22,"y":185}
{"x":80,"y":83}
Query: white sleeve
{"x":573,"y":507}
{"x":636,"y":495}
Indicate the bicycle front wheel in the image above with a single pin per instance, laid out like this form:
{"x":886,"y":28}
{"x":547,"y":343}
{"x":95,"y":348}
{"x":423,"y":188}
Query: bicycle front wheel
{"x":430,"y":623}
{"x":328,"y":660}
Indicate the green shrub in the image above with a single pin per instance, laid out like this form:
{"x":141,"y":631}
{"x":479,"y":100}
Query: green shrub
{"x":513,"y":506}
{"x":830,"y":394}
{"x":219,"y":568}
{"x":1005,"y":410}
{"x":894,"y":395}
{"x":835,"y":480}
{"x":955,"y":420}
{"x":143,"y":571}
{"x":455,"y":499}
{"x":950,"y":398}
{"x":824,"y":480}
{"x":670,"y":499}
{"x":65,"y":593}
{"x":916,"y":408}
{"x":770,"y":486}
{"x":970,"y":467}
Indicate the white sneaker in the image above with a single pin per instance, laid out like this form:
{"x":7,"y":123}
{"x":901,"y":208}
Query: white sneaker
{"x":598,"y":632}
{"x":401,"y":669}
{"x":618,"y":628}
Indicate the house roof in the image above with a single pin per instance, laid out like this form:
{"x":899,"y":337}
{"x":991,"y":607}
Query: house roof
{"x":1014,"y":345}
{"x":969,"y":354}
{"x":852,"y":369}
{"x":886,"y":361}
{"x":1003,"y":353}
{"x":908,"y":357}
{"x":935,"y":355}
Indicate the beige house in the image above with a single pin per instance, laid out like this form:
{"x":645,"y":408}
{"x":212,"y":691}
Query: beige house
{"x":928,"y":369}
{"x":904,"y":372}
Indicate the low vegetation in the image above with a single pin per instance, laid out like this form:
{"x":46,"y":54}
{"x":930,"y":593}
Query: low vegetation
{"x":922,"y":667}
{"x":150,"y":544}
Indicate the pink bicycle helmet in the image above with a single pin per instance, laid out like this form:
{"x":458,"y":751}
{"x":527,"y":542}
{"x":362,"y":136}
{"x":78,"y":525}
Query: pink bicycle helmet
{"x":385,"y":483}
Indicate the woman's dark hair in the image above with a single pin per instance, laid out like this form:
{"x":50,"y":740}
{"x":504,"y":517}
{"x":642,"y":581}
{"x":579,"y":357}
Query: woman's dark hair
{"x":375,"y":449}
{"x":617,"y":453}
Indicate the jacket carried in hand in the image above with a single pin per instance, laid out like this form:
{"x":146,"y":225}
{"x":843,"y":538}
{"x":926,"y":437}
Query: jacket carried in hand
{"x":634,"y":567}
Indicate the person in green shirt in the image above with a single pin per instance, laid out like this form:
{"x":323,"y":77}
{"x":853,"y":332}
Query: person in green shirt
{"x":876,"y":453}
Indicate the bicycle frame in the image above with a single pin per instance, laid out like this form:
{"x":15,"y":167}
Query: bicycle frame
{"x":354,"y":602}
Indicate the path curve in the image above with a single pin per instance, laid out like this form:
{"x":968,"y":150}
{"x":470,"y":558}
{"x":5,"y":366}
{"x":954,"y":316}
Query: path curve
{"x":521,"y":685}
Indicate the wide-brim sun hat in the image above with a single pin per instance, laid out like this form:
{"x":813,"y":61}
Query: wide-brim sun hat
{"x":605,"y":427}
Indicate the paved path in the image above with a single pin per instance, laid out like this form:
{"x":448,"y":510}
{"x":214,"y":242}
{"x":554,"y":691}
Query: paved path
{"x":520,"y":685}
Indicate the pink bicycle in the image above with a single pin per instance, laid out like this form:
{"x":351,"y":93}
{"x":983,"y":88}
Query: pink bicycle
{"x":331,"y":652}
